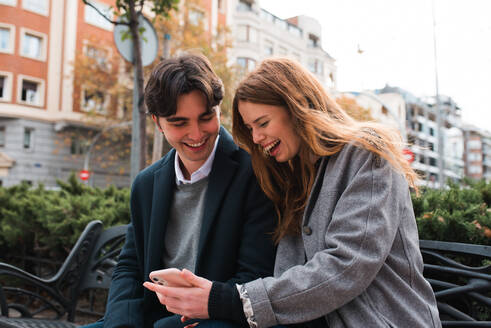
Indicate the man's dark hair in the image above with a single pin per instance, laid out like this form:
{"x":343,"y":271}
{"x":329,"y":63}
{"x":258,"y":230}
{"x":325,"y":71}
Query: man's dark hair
{"x":174,"y":77}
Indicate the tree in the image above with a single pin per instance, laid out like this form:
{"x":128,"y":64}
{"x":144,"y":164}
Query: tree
{"x":353,"y":109}
{"x":187,"y":27}
{"x":128,"y":11}
{"x":186,"y":35}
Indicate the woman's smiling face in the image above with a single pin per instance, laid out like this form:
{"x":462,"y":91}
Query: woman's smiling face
{"x":272,"y":128}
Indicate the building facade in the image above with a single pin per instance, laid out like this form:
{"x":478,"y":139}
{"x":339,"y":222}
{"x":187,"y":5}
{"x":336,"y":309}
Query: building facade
{"x":421,"y":125}
{"x":259,"y":34}
{"x":477,"y":154}
{"x":41,"y":105}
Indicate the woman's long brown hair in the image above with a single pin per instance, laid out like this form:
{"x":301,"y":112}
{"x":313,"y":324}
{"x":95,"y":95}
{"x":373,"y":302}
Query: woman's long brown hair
{"x":323,"y":127}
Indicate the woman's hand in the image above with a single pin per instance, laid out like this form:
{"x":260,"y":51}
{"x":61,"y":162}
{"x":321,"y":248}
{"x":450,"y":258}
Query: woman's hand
{"x":190,"y":302}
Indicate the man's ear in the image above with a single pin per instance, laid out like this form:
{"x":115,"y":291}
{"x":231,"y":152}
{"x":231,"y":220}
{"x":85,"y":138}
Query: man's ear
{"x":156,"y":120}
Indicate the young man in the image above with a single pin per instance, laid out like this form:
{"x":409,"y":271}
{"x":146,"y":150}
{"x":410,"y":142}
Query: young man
{"x":198,"y":208}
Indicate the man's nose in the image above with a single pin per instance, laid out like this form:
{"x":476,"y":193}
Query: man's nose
{"x":195,"y":132}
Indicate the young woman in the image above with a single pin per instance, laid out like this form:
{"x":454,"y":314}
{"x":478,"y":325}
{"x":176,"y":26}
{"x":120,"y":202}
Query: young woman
{"x":348,"y":253}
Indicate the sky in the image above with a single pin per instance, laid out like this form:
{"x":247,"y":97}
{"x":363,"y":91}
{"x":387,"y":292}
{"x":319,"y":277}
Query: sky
{"x":396,"y":37}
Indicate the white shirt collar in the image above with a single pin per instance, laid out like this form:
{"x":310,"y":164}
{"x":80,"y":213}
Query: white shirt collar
{"x":200,"y":173}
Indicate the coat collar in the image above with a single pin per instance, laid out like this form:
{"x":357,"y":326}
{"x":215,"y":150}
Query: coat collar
{"x":221,"y":175}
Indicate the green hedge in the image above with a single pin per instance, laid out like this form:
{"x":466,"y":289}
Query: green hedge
{"x":459,"y":213}
{"x":43,"y":223}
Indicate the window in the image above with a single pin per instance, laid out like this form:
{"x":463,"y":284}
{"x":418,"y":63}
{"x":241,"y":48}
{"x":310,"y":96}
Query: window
{"x":244,"y":5}
{"x":33,"y":44}
{"x":28,"y":138}
{"x":37,"y":6}
{"x":268,"y":48}
{"x":5,"y":88}
{"x":98,"y":55}
{"x":474,"y":144}
{"x":432,"y":161}
{"x":247,"y":33}
{"x":267,"y":16}
{"x":475,"y":169}
{"x":474,"y":157}
{"x":282,"y":51}
{"x":281,"y":23}
{"x":31,"y":47}
{"x":196,"y":17}
{"x":2,"y":136}
{"x":316,"y":66}
{"x":220,"y":6}
{"x":12,"y":3}
{"x":31,"y":91}
{"x":78,"y":146}
{"x":313,"y":41}
{"x":94,"y":101}
{"x":295,"y":30}
{"x":432,"y":132}
{"x":94,"y":18}
{"x":7,"y":33}
{"x":246,"y":63}
{"x":4,"y":39}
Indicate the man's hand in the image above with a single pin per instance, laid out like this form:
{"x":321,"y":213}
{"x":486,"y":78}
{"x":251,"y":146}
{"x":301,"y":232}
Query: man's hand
{"x":190,"y":302}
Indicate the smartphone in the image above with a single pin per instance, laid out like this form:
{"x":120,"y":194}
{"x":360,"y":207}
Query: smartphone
{"x":169,"y":277}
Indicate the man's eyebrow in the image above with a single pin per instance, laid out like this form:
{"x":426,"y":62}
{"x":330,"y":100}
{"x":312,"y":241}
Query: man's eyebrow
{"x":176,"y":119}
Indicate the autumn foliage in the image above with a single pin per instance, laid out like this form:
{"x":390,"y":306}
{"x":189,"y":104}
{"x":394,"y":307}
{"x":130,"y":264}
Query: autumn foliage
{"x":354,"y":110}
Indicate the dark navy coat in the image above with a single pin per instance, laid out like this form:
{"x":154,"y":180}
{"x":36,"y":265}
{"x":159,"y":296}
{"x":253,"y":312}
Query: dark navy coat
{"x":235,"y":243}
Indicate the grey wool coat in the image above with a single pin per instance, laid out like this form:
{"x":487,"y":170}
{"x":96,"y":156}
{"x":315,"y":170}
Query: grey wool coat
{"x":357,"y":262}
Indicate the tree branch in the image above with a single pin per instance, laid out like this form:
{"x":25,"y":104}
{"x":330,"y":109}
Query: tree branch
{"x":142,"y":3}
{"x":102,"y":14}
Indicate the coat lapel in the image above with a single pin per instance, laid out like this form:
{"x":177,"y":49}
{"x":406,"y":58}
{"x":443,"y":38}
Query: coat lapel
{"x":163,"y":189}
{"x":222,"y":173}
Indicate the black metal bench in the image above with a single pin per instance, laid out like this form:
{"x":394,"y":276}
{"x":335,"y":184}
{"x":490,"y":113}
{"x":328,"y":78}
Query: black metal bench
{"x":463,"y":291}
{"x":27,"y":300}
{"x":460,"y":280}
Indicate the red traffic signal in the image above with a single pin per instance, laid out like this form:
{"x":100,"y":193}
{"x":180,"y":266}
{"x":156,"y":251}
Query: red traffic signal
{"x":408,"y":154}
{"x":84,"y":175}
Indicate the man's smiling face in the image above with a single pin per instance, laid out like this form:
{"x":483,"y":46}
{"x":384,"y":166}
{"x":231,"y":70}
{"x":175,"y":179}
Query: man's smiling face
{"x":192,"y":130}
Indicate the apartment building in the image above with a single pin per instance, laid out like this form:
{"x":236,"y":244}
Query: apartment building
{"x":477,"y":154}
{"x":259,"y":34}
{"x":422,"y":134}
{"x":42,"y":119}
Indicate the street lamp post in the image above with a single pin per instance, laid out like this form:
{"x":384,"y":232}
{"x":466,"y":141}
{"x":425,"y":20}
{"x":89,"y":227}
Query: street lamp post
{"x":439,"y":115}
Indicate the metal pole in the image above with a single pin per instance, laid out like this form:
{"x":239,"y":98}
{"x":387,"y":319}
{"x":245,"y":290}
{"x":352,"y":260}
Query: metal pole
{"x":439,"y":115}
{"x":158,"y":142}
{"x":135,"y":130}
